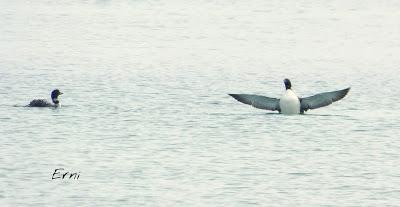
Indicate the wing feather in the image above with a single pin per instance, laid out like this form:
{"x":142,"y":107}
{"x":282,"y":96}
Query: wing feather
{"x":39,"y":103}
{"x":322,"y":99}
{"x":260,"y":102}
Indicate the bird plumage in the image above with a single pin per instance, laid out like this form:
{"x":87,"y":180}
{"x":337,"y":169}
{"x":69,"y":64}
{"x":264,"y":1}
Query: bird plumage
{"x":39,"y":103}
{"x":322,"y":99}
{"x":290,"y":103}
{"x":260,"y":102}
{"x":44,"y":103}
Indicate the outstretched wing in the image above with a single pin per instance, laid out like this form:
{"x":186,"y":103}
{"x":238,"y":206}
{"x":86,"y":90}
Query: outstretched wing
{"x":260,"y":102}
{"x":322,"y":99}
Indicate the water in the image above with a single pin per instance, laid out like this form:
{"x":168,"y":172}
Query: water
{"x":146,"y":119}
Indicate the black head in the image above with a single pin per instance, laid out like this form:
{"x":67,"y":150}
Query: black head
{"x":54,"y":95}
{"x":288,"y":84}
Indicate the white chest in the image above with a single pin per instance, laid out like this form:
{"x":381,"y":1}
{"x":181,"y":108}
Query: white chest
{"x":289,"y":103}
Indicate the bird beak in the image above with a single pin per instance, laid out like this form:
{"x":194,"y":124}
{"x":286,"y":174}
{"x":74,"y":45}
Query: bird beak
{"x":61,"y":93}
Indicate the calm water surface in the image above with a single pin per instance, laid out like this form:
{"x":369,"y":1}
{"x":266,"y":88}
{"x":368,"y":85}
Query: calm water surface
{"x":147,"y":121}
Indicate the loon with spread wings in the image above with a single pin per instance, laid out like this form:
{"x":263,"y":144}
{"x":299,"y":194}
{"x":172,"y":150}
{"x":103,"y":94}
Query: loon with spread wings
{"x":290,"y":103}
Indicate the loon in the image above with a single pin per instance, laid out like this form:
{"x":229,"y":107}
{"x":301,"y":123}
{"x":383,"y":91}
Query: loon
{"x":44,"y":103}
{"x":290,"y":103}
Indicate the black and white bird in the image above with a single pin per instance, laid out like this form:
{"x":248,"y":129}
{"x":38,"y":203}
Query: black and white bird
{"x":290,"y":103}
{"x":44,"y":103}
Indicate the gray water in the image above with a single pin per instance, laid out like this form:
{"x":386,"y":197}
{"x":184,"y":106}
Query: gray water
{"x":146,"y":119}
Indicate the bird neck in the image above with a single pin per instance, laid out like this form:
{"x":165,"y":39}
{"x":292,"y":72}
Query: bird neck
{"x":55,"y":101}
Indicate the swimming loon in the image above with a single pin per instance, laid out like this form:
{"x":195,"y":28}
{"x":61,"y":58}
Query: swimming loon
{"x":290,"y":103}
{"x":44,"y":103}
